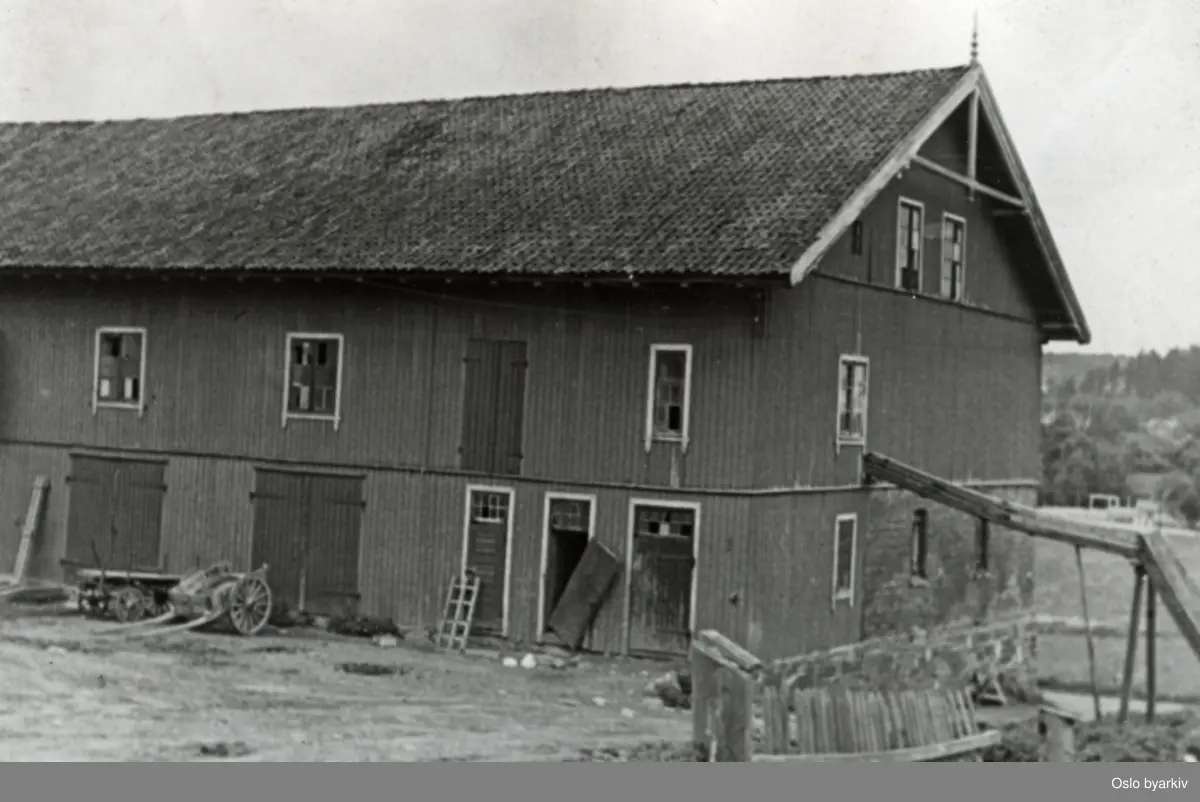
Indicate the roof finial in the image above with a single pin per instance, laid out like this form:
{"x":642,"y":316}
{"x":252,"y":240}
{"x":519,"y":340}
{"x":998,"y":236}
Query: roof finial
{"x":975,"y":39}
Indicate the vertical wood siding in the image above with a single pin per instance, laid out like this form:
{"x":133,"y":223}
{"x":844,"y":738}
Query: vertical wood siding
{"x":215,"y":371}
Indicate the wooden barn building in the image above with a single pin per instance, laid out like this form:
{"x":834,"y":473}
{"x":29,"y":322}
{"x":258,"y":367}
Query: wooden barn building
{"x":371,"y":345}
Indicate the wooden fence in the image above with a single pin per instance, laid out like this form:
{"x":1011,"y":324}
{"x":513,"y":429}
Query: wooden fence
{"x":835,"y":724}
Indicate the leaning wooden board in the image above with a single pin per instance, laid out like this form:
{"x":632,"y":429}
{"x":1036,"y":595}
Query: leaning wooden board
{"x":33,"y":517}
{"x":584,"y":595}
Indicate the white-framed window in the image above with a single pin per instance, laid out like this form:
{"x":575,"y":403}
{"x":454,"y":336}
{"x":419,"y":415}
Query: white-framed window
{"x":119,"y":371}
{"x":853,"y":375}
{"x":910,"y":233}
{"x":669,"y":395}
{"x":312,"y":387}
{"x":845,"y":554}
{"x":954,"y":255}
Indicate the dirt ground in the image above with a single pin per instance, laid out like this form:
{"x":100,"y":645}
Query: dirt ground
{"x":70,"y":693}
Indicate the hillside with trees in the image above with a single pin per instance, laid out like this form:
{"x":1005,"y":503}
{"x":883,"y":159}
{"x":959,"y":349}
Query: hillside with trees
{"x":1125,"y":425}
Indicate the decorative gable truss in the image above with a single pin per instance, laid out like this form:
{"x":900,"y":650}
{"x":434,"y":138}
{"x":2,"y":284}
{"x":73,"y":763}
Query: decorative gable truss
{"x":1067,"y":322}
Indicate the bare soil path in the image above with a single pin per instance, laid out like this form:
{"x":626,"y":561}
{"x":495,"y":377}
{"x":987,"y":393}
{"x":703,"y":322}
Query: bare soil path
{"x":70,"y":694}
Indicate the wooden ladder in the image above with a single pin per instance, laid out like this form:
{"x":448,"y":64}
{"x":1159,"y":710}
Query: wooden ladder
{"x":455,"y":628}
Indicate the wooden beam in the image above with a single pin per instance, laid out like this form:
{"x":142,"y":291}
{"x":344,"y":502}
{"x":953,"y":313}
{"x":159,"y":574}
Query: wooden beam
{"x":724,"y":652}
{"x":1151,"y":657}
{"x":1091,"y":636}
{"x":973,"y":140}
{"x":1135,"y":618}
{"x":1000,"y":512}
{"x":916,"y":754}
{"x":1178,"y":592}
{"x":875,"y":184}
{"x":968,"y":182}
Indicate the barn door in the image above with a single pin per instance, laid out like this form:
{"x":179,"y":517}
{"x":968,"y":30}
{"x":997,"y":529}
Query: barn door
{"x":486,"y":553}
{"x":115,"y":513}
{"x":306,"y":529}
{"x":137,"y":517}
{"x":660,"y":579}
{"x":89,"y":516}
{"x":280,"y":530}
{"x":331,"y":565}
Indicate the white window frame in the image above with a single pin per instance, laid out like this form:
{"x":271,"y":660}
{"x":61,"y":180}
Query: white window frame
{"x":845,"y":594}
{"x":684,"y":437}
{"x":697,"y":523}
{"x":97,"y":403}
{"x":865,"y":364}
{"x":947,"y":217}
{"x":508,"y":539}
{"x":292,"y":336}
{"x":900,"y":251}
{"x":590,"y":500}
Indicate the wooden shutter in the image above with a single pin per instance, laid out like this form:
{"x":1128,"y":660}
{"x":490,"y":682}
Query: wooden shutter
{"x":481,"y":365}
{"x":510,"y":410}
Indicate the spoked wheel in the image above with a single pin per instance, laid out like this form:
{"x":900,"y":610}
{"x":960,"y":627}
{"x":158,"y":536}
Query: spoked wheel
{"x":249,"y":603}
{"x":128,"y":604}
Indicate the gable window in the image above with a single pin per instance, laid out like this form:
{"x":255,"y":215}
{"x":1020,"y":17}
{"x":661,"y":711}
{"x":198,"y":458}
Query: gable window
{"x":910,"y":230}
{"x":852,"y":400}
{"x":312,"y":390}
{"x":120,"y":368}
{"x":920,"y":544}
{"x":954,"y":253}
{"x":845,"y":548}
{"x":856,"y":238}
{"x":669,"y":397}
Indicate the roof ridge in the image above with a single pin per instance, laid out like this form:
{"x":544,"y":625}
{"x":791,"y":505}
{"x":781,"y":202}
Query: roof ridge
{"x":504,"y":96}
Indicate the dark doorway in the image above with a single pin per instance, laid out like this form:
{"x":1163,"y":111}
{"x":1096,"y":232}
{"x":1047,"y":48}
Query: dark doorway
{"x":568,"y":530}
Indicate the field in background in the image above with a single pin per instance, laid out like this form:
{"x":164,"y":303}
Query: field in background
{"x":1063,"y":658}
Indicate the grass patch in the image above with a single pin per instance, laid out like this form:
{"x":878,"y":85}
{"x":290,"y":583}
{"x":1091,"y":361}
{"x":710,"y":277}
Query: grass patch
{"x":1062,"y":658}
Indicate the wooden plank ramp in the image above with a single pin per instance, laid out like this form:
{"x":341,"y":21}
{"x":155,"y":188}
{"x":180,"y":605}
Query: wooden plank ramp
{"x":1003,"y":513}
{"x":1175,"y":587}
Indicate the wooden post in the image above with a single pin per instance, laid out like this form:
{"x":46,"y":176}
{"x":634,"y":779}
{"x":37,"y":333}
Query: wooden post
{"x":734,"y":725}
{"x":1087,"y":622}
{"x":1135,"y":615}
{"x":705,"y":692}
{"x":724,"y":676}
{"x":1057,"y":728}
{"x":1151,"y":657}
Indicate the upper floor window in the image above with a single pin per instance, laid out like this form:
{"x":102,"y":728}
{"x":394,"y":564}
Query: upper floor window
{"x":954,"y":254}
{"x":313,"y":386}
{"x":669,"y":397}
{"x":120,"y":368}
{"x":852,"y":399}
{"x":909,"y":242}
{"x":845,"y":548}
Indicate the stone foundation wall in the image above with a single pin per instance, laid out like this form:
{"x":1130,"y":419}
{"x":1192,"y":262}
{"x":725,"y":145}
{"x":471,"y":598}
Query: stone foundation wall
{"x":954,"y":591}
{"x":959,"y":654}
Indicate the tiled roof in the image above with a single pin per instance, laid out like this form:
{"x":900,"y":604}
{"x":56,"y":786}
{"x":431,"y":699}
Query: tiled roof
{"x":724,"y":178}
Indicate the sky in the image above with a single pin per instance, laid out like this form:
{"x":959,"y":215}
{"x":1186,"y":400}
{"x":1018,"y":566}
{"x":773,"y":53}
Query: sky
{"x":1102,"y":103}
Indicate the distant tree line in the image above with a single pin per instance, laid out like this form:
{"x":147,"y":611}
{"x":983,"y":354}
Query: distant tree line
{"x":1129,"y":416}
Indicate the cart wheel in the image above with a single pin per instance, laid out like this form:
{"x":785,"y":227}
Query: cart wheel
{"x":127,"y":604}
{"x":249,"y":604}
